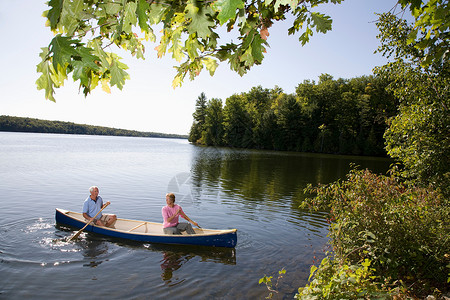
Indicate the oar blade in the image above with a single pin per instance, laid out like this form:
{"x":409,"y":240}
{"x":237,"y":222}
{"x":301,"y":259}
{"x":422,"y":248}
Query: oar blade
{"x":75,"y":236}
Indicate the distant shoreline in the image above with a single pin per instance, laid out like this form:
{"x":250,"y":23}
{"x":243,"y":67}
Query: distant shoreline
{"x":23,"y":124}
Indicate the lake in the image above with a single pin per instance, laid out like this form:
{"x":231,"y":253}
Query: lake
{"x":256,"y":192}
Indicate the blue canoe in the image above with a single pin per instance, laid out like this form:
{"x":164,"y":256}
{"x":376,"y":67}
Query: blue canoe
{"x":150,"y":232}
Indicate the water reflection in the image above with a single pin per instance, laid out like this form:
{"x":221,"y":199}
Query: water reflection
{"x":92,"y":250}
{"x":171,"y":262}
{"x":174,"y":257}
{"x":268,"y":177}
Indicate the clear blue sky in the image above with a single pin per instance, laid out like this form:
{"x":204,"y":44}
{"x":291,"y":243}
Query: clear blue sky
{"x":148,"y":102}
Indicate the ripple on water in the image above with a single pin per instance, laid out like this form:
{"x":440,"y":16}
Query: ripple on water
{"x":37,"y":242}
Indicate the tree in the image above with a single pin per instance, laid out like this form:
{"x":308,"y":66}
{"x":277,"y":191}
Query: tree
{"x":199,"y":119}
{"x":237,"y":123}
{"x":84,"y":29}
{"x":259,"y":101}
{"x":213,"y":130}
{"x":430,"y":33}
{"x":419,"y":135}
{"x":290,"y":120}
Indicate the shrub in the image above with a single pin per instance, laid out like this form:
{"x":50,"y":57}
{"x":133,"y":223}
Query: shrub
{"x":335,"y":280}
{"x":402,"y":229}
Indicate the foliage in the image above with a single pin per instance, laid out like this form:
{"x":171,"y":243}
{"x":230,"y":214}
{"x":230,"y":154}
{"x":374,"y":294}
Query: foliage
{"x":199,"y":115}
{"x":237,"y":123}
{"x":419,"y":136}
{"x":334,"y":116}
{"x":267,"y":280}
{"x":341,"y":280}
{"x":213,"y":128}
{"x":402,"y":229}
{"x":430,"y":32}
{"x":17,"y":124}
{"x":190,"y":33}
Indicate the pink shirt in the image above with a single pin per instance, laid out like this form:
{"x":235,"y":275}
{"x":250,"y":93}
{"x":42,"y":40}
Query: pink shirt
{"x":167,"y":212}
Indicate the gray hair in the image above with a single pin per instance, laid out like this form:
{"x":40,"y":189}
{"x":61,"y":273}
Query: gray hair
{"x":91,"y":189}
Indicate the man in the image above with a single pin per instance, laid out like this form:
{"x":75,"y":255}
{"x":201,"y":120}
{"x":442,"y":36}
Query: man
{"x":170,"y":214}
{"x":92,"y":206}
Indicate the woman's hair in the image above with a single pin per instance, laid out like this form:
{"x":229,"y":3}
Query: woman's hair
{"x":171,"y":196}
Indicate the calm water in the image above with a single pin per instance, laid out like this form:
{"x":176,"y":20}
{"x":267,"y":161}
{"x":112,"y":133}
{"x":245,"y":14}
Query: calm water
{"x":257,"y":192}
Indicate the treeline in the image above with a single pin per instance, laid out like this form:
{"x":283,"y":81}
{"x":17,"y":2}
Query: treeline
{"x":19,"y":124}
{"x":343,"y":116}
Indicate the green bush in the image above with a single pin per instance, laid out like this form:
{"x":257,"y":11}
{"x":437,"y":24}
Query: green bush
{"x":335,"y":280}
{"x":402,"y":229}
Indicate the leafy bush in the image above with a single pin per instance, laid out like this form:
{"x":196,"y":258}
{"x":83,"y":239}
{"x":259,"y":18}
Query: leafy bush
{"x":334,"y":280}
{"x":402,"y":229}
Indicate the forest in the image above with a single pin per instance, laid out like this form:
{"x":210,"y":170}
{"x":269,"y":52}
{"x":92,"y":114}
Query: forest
{"x":19,"y":124}
{"x":343,"y":116}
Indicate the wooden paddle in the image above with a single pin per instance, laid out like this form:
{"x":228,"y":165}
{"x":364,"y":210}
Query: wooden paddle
{"x":76,"y":235}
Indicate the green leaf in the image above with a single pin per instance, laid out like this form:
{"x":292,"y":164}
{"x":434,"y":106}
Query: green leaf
{"x":247,"y":57}
{"x":100,"y":53}
{"x":156,"y":13}
{"x":311,"y":273}
{"x":118,"y":74}
{"x":141,"y":10}
{"x":129,"y":18}
{"x":82,"y":74}
{"x":366,"y":263}
{"x":201,"y":20}
{"x":55,"y":12}
{"x":192,"y":46}
{"x":83,"y":67}
{"x":113,"y":8}
{"x":253,"y":45}
{"x":227,"y":9}
{"x":211,"y":65}
{"x":267,"y":280}
{"x":45,"y":82}
{"x":321,"y":22}
{"x":63,"y":48}
{"x":70,"y":16}
{"x":178,"y":80}
{"x":304,"y":38}
{"x":176,"y":48}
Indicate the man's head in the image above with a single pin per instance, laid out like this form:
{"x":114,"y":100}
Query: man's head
{"x":94,"y":192}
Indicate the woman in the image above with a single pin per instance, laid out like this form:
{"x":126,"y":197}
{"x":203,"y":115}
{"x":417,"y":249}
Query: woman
{"x":170,"y":214}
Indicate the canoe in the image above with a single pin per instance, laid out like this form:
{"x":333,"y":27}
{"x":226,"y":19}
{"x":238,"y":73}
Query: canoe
{"x":150,"y":232}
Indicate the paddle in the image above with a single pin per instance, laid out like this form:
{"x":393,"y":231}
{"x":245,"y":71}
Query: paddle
{"x":76,"y":235}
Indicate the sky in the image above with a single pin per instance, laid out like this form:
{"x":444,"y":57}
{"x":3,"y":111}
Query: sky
{"x":148,"y":102}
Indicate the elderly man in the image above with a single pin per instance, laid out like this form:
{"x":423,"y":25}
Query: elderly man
{"x":92,"y":205}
